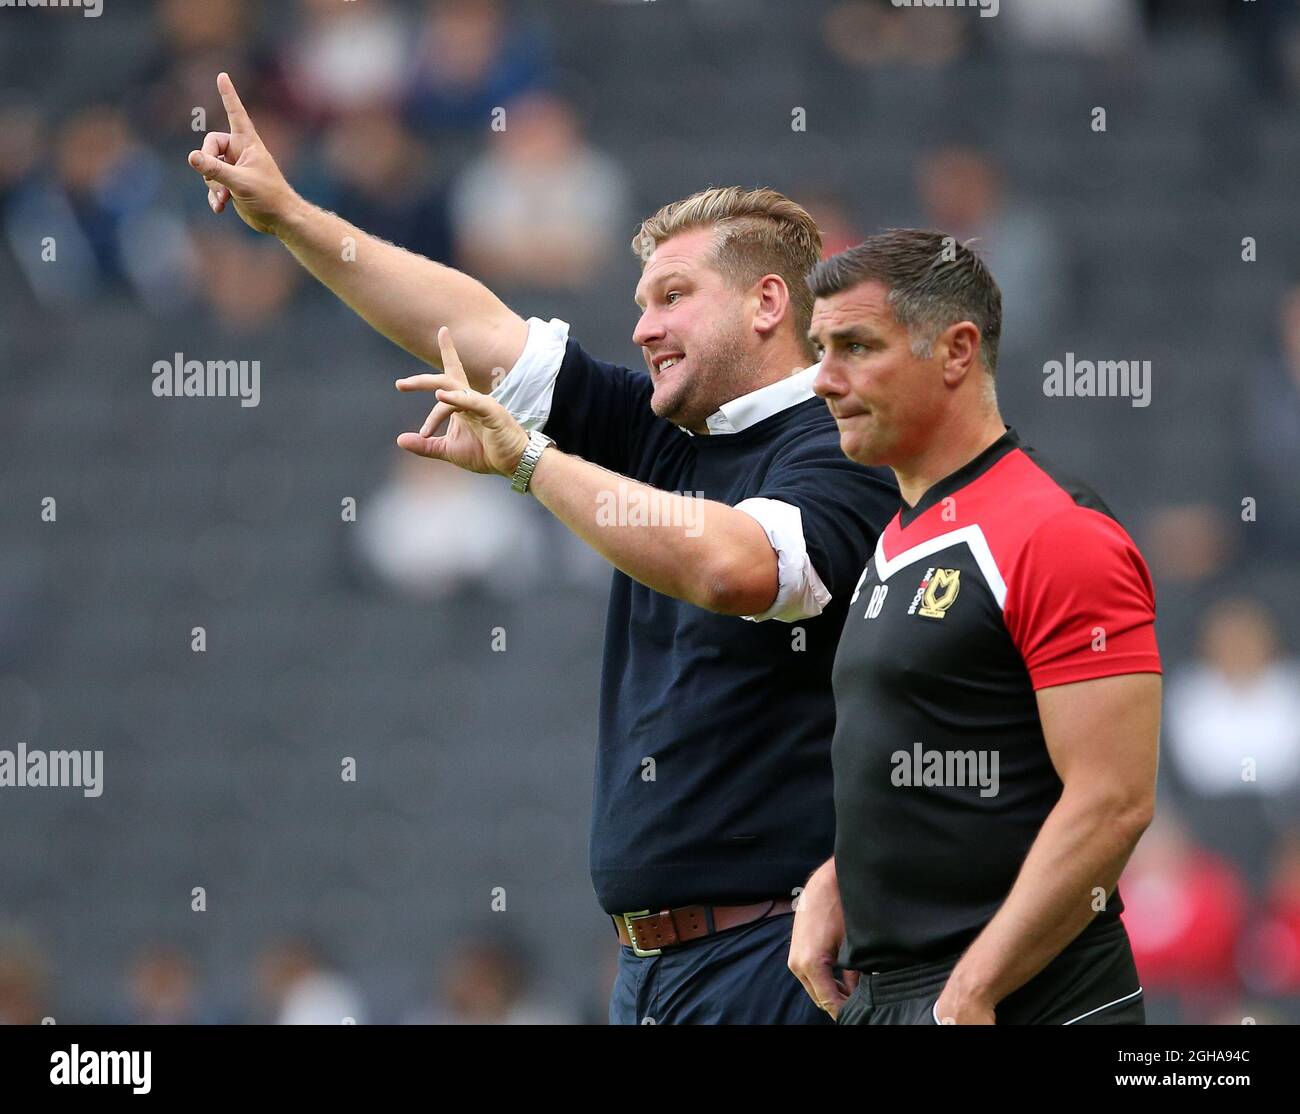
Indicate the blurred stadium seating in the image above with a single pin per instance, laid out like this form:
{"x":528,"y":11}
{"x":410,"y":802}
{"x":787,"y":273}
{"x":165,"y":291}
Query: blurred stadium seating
{"x":222,"y":768}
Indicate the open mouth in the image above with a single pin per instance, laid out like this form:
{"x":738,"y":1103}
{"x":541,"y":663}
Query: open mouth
{"x":663,"y":363}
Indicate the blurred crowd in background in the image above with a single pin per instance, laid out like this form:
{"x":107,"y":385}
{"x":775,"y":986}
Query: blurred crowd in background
{"x":523,"y":142}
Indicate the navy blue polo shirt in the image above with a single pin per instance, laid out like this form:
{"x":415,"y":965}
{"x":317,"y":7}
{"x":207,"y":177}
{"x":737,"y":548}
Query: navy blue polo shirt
{"x":738,"y":716}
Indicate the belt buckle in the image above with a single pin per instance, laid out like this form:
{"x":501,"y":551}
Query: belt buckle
{"x":637,"y":950}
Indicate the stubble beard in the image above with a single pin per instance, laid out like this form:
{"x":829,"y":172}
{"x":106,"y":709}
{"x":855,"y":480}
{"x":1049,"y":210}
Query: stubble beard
{"x":718,"y":375}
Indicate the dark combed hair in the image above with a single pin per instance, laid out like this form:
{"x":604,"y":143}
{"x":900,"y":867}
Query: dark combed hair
{"x":933,"y":282}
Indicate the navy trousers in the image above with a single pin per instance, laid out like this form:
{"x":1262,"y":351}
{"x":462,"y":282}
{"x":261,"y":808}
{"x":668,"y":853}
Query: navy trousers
{"x":738,"y":977}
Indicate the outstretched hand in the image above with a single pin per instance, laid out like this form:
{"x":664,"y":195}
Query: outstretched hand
{"x":236,"y":166}
{"x":482,"y":435}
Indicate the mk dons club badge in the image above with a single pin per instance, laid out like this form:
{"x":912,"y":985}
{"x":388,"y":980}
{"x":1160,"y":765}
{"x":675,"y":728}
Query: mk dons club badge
{"x":937,"y":593}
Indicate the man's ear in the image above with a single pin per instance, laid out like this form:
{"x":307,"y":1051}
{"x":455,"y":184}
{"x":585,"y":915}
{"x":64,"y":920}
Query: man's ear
{"x":960,"y":344}
{"x":771,"y":303}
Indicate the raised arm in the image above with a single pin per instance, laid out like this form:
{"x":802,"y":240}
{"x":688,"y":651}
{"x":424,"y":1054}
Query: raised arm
{"x":402,"y":295}
{"x":690,"y":548}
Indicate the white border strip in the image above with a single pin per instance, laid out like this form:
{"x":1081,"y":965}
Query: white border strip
{"x":1106,"y":1006}
{"x":974,"y":538}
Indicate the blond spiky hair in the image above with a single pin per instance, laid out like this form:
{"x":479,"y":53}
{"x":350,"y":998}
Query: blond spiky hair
{"x":759,"y":232}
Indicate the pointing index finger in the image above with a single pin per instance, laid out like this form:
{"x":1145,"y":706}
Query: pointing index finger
{"x":239,"y":120}
{"x":450,"y":359}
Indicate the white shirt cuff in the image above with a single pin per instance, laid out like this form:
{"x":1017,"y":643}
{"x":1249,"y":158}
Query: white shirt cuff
{"x":800,"y":593}
{"x":528,"y":388}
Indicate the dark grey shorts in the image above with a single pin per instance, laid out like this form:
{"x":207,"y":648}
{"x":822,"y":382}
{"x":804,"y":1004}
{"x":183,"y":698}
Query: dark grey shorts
{"x":1092,"y":982}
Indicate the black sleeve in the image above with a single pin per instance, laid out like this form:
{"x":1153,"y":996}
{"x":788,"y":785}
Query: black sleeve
{"x":843,"y":505}
{"x":601,"y":412}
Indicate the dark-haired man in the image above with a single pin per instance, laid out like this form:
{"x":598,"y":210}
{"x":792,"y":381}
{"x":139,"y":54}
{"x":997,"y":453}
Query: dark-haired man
{"x":997,"y":681}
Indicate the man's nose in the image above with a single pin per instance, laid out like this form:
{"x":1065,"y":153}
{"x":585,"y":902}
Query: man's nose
{"x":647,"y":330}
{"x":827,"y":383}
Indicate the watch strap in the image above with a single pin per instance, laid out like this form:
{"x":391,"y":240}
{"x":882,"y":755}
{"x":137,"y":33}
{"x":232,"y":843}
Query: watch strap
{"x":538,"y":442}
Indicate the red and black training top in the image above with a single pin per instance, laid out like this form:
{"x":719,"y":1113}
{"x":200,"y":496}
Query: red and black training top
{"x":1003,"y":579}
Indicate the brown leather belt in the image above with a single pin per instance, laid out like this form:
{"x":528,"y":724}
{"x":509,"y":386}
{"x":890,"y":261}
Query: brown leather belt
{"x":648,"y":933}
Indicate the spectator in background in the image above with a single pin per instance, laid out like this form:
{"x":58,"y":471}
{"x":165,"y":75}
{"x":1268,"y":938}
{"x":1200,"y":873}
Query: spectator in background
{"x":864,"y":34}
{"x":1187,"y":543}
{"x":23,"y":978}
{"x":485,"y":981}
{"x":301,"y":988}
{"x":1272,"y":438}
{"x":162,"y":990}
{"x":1183,"y":908}
{"x":432,"y":532}
{"x":469,"y":62}
{"x":961,"y":191}
{"x":384,"y":183}
{"x":839,"y":229}
{"x":1233,"y":737}
{"x":1270,"y":957}
{"x":102,"y":213}
{"x":1101,"y":28}
{"x":245,"y":285}
{"x":22,"y":148}
{"x":541,"y":209}
{"x":344,"y":57}
{"x":192,"y":40}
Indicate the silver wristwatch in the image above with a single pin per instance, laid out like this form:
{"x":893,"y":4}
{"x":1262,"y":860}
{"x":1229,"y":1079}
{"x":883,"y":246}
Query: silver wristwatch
{"x":537,"y":444}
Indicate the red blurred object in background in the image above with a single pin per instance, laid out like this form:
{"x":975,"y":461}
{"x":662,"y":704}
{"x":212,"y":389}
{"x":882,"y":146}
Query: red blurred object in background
{"x":1270,"y":951}
{"x":1184,"y":910}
